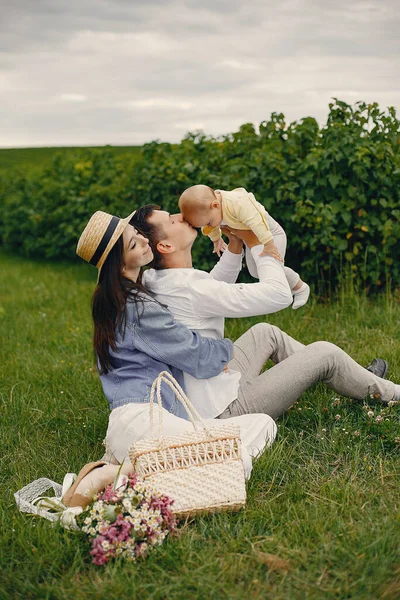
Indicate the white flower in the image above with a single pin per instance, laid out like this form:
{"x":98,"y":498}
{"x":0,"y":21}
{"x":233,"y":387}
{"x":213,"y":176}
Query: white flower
{"x":127,"y":502}
{"x":370,"y":414}
{"x":378,"y":419}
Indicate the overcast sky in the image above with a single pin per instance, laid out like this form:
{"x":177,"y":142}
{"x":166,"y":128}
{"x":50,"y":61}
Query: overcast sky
{"x":93,"y":72}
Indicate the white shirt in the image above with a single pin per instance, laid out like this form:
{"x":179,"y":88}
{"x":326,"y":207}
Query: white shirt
{"x":202,"y":300}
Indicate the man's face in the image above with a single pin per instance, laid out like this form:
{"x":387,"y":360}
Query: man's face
{"x":177,"y":232}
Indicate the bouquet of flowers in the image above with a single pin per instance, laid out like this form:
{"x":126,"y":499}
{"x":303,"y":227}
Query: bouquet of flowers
{"x":126,"y":519}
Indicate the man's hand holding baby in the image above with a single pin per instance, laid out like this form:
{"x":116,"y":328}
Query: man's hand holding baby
{"x":271,"y":250}
{"x":251,"y":240}
{"x":235,"y":244}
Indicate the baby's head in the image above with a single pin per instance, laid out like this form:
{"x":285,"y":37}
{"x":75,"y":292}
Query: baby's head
{"x":200,"y":206}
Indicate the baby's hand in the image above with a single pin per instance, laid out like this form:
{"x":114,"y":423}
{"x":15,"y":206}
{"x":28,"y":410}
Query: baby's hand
{"x":219,"y":246}
{"x":271,"y":250}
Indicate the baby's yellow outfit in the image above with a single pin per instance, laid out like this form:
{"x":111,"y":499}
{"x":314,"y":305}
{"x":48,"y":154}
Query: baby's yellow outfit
{"x":240,"y":210}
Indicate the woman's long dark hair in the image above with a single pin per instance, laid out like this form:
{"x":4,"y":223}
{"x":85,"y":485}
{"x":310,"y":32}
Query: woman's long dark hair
{"x":109,"y":305}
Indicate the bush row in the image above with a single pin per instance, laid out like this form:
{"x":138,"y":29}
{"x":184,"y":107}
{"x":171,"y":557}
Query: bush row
{"x":335,"y":190}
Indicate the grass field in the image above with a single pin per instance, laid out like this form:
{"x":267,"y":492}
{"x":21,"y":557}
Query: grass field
{"x":27,"y":158}
{"x":324,"y":498}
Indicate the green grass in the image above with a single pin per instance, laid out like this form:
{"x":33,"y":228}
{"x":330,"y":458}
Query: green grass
{"x":28,"y":158}
{"x":323,"y":499}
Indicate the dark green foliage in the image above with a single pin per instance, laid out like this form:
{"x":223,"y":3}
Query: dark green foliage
{"x":334,"y":189}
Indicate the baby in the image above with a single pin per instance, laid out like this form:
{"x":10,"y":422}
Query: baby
{"x":201,"y":206}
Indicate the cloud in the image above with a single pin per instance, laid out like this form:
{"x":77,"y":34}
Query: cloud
{"x":158,"y":103}
{"x":129,"y":71}
{"x":73,"y":97}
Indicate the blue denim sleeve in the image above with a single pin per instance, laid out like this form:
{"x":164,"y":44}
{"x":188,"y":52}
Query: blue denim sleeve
{"x":157,"y":334}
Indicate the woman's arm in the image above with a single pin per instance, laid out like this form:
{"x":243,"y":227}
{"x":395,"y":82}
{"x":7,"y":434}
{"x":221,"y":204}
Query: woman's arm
{"x":157,"y":334}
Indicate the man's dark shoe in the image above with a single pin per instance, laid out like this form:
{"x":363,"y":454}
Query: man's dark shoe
{"x":378,"y":367}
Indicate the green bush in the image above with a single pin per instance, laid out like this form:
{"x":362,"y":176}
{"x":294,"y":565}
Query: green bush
{"x":334,"y":189}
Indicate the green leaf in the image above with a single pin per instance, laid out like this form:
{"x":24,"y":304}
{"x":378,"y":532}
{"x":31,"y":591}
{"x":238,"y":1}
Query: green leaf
{"x":333,"y":180}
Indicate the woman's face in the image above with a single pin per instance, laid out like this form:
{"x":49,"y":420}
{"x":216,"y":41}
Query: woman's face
{"x":137,"y":252}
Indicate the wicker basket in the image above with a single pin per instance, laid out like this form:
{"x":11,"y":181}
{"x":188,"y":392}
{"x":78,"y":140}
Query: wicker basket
{"x":201,"y":470}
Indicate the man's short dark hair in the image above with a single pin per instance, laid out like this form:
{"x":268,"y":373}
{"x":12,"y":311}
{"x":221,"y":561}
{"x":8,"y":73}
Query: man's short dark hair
{"x":152,"y":232}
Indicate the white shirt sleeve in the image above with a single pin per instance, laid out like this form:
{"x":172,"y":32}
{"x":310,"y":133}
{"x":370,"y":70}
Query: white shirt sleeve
{"x":212,"y":298}
{"x":228,"y":267}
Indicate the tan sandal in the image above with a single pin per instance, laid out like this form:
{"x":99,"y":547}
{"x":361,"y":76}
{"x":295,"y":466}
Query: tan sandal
{"x":70,"y":498}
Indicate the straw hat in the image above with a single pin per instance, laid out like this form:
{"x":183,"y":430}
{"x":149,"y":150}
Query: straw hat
{"x":99,"y":237}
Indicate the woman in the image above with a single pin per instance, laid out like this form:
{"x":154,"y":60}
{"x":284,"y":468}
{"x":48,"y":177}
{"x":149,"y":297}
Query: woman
{"x":135,"y":338}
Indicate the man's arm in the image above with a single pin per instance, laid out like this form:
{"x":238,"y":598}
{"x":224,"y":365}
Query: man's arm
{"x":229,"y":266}
{"x":213,"y":298}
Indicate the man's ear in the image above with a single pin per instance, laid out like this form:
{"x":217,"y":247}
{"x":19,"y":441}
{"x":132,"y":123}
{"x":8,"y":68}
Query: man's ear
{"x":165,"y":248}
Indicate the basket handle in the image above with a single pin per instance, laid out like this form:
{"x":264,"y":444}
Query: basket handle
{"x":167,"y":378}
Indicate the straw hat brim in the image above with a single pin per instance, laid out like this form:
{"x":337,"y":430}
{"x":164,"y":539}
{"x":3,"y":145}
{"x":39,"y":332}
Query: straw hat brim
{"x":119,"y":230}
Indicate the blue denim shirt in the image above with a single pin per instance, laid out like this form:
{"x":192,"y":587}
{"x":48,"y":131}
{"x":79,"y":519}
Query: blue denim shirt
{"x":155,"y":342}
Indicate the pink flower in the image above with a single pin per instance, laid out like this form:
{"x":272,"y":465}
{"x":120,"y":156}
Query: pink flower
{"x":116,"y":512}
{"x":132,"y":478}
{"x":109,"y":495}
{"x":100,"y":557}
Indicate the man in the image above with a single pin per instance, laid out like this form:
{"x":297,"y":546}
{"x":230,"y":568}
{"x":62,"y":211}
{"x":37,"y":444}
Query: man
{"x":201,"y":300}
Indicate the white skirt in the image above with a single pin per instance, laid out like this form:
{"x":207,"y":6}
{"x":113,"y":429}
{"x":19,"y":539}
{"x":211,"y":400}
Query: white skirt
{"x":131,"y":422}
